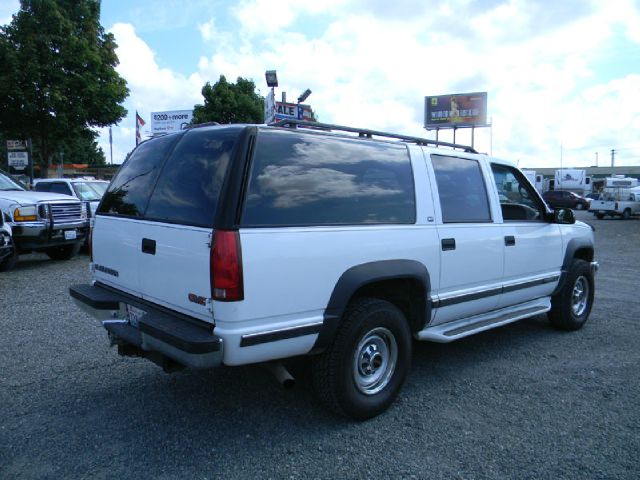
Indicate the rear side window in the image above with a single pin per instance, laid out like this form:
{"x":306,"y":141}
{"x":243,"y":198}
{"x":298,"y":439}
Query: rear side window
{"x":42,"y":187}
{"x":463,"y":195}
{"x":302,"y":179}
{"x":188,"y":188}
{"x":129,"y":191}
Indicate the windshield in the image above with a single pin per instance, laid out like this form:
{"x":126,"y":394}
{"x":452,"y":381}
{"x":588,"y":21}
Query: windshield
{"x":7,"y":183}
{"x":89,"y":191}
{"x":100,"y":187}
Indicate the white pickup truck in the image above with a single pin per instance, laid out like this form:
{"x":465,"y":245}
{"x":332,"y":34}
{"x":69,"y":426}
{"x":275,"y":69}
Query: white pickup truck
{"x":617,"y":203}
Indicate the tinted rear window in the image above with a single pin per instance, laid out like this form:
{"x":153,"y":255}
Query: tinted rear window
{"x":306,"y":179}
{"x":183,"y":189}
{"x":463,"y":196}
{"x":129,"y":191}
{"x":188,"y":188}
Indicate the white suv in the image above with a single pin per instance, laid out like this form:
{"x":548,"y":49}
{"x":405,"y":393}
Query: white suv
{"x":240,"y":244}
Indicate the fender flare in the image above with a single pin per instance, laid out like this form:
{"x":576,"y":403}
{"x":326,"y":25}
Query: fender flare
{"x":359,"y":276}
{"x":573,"y":246}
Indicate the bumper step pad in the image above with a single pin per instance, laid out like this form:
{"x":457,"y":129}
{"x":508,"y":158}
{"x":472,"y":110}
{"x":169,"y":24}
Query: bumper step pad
{"x":189,"y":342}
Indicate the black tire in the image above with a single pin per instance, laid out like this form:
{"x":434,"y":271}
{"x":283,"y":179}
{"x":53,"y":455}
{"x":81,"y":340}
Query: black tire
{"x":571,"y":306}
{"x":599,"y":216}
{"x":9,"y":262}
{"x":626,"y":214}
{"x":63,"y":252}
{"x":361,"y":373}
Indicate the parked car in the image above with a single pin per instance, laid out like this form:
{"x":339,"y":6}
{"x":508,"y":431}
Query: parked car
{"x":563,"y":198}
{"x":239,"y":244}
{"x":7,"y":256}
{"x":617,"y":202}
{"x":86,"y":190}
{"x":43,"y":222}
{"x":593,"y":195}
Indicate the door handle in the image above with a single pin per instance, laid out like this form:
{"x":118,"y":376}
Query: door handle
{"x":509,"y":240}
{"x":448,"y":244}
{"x":148,"y":246}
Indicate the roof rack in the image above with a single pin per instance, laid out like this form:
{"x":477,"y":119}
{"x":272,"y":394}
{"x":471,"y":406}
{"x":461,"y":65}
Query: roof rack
{"x":364,"y":133}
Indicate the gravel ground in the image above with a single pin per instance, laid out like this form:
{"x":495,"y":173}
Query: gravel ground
{"x":523,"y":401}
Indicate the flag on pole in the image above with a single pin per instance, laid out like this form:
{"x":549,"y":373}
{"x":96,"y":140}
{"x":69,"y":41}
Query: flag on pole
{"x":139,"y":124}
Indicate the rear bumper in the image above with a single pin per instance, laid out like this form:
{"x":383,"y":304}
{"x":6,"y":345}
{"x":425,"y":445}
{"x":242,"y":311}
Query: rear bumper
{"x":188,"y":342}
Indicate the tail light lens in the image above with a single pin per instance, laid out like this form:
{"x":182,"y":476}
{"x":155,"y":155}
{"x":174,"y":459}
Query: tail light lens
{"x":225,"y":267}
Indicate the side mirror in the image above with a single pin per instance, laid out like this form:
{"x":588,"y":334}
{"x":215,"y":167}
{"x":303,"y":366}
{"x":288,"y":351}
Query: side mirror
{"x":564,"y":216}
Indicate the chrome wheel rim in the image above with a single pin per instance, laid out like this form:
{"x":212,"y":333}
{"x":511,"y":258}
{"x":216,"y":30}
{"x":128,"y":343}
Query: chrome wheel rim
{"x":375,"y":360}
{"x":580,"y":296}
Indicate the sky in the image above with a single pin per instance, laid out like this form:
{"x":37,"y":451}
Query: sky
{"x":562,"y":77}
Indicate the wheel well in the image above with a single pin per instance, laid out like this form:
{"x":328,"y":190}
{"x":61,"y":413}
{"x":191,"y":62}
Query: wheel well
{"x":585,"y":254}
{"x":407,"y":294}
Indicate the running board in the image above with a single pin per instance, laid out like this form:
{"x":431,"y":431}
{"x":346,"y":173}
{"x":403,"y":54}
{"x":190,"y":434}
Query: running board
{"x":450,"y":331}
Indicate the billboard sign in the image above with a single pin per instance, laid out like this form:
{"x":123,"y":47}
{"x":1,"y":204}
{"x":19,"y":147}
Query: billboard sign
{"x":293,"y":111}
{"x":16,"y":145}
{"x":169,"y":122}
{"x":269,"y":108}
{"x":18,"y":160}
{"x":459,"y":110}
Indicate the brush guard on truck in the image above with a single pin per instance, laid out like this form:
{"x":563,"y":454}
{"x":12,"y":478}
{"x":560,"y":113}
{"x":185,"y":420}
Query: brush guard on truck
{"x":160,"y":335}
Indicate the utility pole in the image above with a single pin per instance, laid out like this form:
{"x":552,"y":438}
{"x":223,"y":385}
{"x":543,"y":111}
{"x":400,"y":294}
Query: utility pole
{"x":596,"y":159}
{"x":613,"y":157}
{"x":110,"y":145}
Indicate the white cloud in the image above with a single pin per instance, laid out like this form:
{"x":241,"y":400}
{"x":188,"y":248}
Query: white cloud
{"x":370,"y":65}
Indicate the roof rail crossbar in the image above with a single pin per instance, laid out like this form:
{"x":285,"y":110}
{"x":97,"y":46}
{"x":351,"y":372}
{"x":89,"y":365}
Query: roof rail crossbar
{"x":365,"y":133}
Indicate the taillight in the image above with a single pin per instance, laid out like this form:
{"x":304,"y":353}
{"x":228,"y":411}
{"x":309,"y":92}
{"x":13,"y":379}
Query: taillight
{"x":225,"y":267}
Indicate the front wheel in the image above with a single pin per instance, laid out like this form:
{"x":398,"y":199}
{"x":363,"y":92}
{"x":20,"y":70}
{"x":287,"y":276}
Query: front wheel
{"x":571,"y":306}
{"x":9,"y":262}
{"x":599,"y":216}
{"x":626,"y":214}
{"x":579,"y":206}
{"x":361,"y":373}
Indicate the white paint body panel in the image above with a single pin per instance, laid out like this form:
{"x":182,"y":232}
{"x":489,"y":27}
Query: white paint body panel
{"x":290,"y":273}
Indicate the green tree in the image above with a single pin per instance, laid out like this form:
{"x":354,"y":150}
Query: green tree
{"x":58,"y":77}
{"x":83,"y":148}
{"x":226,"y":102}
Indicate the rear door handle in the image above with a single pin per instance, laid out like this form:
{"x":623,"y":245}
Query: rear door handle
{"x":448,"y":244}
{"x":509,"y":240}
{"x":148,"y":246}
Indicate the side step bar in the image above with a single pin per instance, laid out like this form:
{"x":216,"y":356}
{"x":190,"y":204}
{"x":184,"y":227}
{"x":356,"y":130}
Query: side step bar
{"x":450,"y":331}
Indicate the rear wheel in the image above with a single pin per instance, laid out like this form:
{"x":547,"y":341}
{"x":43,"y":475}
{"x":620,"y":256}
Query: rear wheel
{"x":571,"y":306}
{"x":361,"y":373}
{"x":599,"y":216}
{"x":626,"y":214}
{"x":63,"y":252}
{"x":8,"y":263}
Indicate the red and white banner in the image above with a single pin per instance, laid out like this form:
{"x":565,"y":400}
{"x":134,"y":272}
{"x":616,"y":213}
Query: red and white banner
{"x":139,"y":124}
